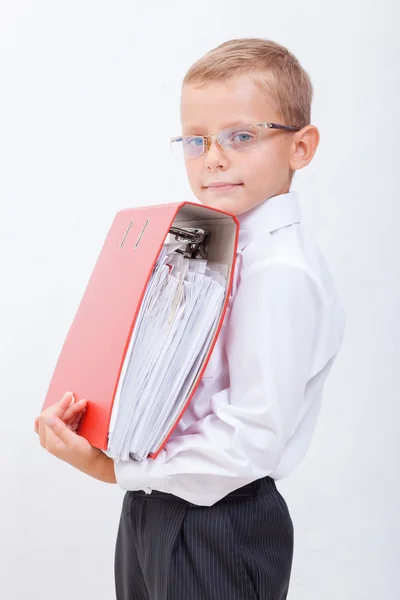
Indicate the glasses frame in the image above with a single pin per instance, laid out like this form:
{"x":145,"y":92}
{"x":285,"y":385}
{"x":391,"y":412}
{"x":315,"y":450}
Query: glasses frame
{"x":207,"y":138}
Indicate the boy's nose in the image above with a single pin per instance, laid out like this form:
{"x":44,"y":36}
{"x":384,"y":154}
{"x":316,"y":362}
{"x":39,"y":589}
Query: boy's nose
{"x":214,"y":155}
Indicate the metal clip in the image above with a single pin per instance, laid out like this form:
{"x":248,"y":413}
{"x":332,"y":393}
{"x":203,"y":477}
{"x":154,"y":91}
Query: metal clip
{"x":197,"y":246}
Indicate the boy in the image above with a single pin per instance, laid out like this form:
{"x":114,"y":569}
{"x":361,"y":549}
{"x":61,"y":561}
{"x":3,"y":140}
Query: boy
{"x":204,"y":520}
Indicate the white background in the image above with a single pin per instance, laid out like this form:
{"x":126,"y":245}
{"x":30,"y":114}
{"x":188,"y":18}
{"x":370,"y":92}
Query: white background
{"x":89,"y":95}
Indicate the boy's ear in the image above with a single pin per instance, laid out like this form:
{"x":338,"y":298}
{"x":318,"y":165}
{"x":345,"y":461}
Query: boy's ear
{"x":305,"y":143}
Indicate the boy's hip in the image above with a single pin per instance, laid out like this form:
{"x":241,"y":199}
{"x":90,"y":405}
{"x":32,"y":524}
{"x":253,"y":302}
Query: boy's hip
{"x":253,"y":514}
{"x":242,"y":544}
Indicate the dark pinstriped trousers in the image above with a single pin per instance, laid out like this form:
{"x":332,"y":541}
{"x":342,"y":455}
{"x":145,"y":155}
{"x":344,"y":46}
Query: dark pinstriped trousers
{"x":240,"y":548}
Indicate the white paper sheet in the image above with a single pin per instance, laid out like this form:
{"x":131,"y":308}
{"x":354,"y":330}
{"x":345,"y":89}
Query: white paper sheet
{"x":176,"y":321}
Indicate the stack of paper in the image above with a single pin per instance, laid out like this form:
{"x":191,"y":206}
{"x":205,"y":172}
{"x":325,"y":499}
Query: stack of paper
{"x":176,"y":321}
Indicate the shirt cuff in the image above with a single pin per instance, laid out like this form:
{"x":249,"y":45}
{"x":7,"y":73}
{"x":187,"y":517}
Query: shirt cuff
{"x":148,"y":474}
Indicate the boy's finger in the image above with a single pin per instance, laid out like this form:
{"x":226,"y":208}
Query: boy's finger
{"x":61,"y":406}
{"x":75,"y":423}
{"x":60,"y":430}
{"x":37,"y":425}
{"x":58,"y":409}
{"x":74,"y":410}
{"x":42,"y":433}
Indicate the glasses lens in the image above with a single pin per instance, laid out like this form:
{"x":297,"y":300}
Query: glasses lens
{"x":240,"y":137}
{"x":187,"y":146}
{"x":192,"y":146}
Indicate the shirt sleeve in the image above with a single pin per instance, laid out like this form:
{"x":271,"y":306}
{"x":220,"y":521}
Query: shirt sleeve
{"x":272,"y":340}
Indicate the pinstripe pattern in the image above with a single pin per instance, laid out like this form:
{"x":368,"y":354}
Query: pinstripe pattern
{"x":239,"y":549}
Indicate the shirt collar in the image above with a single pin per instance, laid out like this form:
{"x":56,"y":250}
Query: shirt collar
{"x":274,"y":213}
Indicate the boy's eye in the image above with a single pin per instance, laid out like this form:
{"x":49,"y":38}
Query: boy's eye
{"x":242,"y":137}
{"x":193,"y":141}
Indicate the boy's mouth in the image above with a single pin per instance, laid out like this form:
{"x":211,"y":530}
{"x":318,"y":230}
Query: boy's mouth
{"x":222,"y":186}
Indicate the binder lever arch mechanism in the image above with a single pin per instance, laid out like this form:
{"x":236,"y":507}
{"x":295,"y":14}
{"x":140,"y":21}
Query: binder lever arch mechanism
{"x":197,"y":241}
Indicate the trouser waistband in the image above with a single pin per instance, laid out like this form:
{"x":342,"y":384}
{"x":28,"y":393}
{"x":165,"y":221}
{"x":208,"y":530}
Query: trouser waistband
{"x":251,"y":490}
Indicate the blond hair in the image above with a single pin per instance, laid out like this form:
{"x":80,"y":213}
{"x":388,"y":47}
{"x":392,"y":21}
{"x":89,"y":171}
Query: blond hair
{"x":269,"y":63}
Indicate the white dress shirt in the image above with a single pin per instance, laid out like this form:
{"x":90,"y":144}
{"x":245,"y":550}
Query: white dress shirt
{"x":256,"y":407}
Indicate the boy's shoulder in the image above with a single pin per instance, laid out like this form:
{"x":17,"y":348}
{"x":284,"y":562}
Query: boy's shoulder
{"x":273,"y":234}
{"x":289,"y":246}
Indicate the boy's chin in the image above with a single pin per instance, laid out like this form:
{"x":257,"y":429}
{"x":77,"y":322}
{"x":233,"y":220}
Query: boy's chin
{"x":229,"y":204}
{"x":225,"y":204}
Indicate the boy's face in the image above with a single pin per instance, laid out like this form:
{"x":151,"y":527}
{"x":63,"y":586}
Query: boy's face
{"x":250,"y":176}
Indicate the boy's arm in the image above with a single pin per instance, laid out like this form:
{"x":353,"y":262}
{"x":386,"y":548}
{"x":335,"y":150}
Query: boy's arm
{"x":278,"y":338}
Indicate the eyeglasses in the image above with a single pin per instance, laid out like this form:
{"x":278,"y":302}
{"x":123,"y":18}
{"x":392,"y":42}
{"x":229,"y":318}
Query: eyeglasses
{"x":239,"y":137}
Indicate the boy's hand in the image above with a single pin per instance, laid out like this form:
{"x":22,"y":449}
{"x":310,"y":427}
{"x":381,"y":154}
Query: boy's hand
{"x":58,"y":439}
{"x":72,"y":414}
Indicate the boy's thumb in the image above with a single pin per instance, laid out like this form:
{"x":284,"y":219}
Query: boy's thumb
{"x":59,"y":429}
